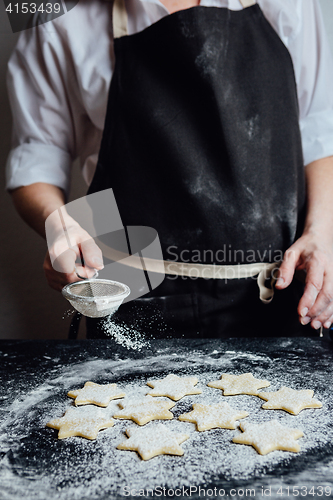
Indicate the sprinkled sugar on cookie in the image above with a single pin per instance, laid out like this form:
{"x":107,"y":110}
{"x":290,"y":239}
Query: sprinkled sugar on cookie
{"x":213,"y":416}
{"x":174,"y":387}
{"x":151,"y":441}
{"x":232,"y":385}
{"x":85,"y":422}
{"x":289,"y":400}
{"x":144,"y":410}
{"x":96,"y":394}
{"x":268,"y":437}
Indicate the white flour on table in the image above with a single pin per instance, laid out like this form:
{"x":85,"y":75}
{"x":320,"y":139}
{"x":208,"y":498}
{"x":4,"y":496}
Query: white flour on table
{"x":39,"y":466}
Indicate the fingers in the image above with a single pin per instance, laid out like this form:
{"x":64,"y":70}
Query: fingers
{"x":328,"y":322}
{"x":316,"y":304}
{"x":322,"y":309}
{"x":92,"y":254}
{"x":287,"y":268}
{"x":324,"y":319}
{"x":64,"y":270}
{"x":65,"y":262}
{"x":314,"y":283}
{"x":82,"y":247}
{"x":55,"y":279}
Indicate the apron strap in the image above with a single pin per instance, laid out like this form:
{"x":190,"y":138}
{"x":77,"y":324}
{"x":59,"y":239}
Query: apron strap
{"x":266,"y":273}
{"x":119,"y":19}
{"x":247,"y":3}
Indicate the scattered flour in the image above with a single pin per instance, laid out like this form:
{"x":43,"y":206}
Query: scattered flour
{"x":134,"y":330}
{"x":123,"y":334}
{"x":68,"y":313}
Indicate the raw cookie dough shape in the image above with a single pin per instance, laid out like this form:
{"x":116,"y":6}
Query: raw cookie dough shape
{"x":96,"y":394}
{"x":290,"y":400}
{"x":174,"y":387}
{"x":268,"y":437}
{"x":154,"y":440}
{"x":84,"y":422}
{"x":232,"y":385}
{"x":212,"y":416}
{"x":144,"y":410}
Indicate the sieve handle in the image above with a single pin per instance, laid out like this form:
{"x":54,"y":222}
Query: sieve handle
{"x":83,"y":265}
{"x":85,"y":278}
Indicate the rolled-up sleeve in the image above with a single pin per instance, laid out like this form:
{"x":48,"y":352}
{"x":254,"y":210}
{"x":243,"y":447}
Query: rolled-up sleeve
{"x":33,"y":162}
{"x":313,"y":65}
{"x":43,"y":144}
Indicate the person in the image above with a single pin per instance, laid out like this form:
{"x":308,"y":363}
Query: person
{"x":218,"y":133}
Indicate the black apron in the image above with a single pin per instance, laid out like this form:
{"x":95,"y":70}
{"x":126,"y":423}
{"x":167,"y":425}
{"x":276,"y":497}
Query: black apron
{"x":202,"y":143}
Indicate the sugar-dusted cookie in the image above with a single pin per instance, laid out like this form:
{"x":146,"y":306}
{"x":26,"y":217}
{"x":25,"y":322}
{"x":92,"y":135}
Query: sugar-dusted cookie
{"x":96,"y":394}
{"x":154,"y":440}
{"x":268,"y":437}
{"x":289,"y":400}
{"x":213,"y":416}
{"x":239,"y":384}
{"x":144,"y":410}
{"x":85,"y":422}
{"x":174,"y":387}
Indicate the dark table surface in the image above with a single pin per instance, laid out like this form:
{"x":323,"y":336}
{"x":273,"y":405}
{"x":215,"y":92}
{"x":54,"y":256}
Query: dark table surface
{"x":35,"y":379}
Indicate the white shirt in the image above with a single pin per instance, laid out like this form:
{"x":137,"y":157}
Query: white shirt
{"x":60,"y":72}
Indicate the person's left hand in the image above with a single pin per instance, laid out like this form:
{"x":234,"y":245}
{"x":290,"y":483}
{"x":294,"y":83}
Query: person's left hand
{"x":314,"y":254}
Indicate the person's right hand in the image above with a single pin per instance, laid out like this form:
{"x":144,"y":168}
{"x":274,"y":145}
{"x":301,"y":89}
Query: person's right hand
{"x":61,"y":260}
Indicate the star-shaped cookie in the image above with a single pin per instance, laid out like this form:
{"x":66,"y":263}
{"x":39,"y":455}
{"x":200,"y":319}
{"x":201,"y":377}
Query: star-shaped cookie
{"x":268,"y":437}
{"x":174,"y":387}
{"x":155,"y":440}
{"x":85,"y":422}
{"x":212,"y":416}
{"x":289,"y":400}
{"x":144,"y":410}
{"x":96,"y":394}
{"x":232,"y":385}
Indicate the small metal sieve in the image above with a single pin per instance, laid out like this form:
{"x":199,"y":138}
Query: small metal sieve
{"x":96,"y":298}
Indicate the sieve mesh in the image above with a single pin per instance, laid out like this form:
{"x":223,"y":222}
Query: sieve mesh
{"x":95,"y":289}
{"x":96,"y":298}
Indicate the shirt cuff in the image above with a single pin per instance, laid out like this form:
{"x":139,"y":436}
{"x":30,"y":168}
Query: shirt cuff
{"x":317,"y":136}
{"x":33,"y":162}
